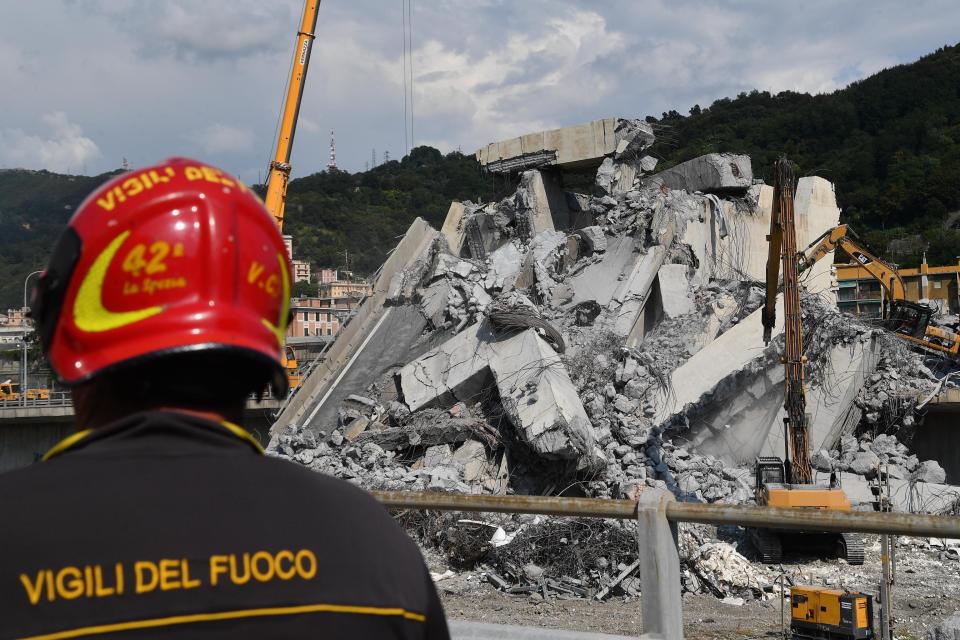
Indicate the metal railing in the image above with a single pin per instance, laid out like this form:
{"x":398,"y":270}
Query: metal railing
{"x":657,"y":514}
{"x":65,"y":399}
{"x":53,"y":399}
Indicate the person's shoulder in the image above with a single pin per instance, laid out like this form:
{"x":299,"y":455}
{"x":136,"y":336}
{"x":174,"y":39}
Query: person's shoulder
{"x":312,"y":486}
{"x":335,"y":506}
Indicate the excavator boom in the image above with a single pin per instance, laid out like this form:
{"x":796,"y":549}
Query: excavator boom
{"x":908,"y":320}
{"x":280,"y":166}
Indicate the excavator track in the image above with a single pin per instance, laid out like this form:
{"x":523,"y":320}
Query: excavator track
{"x":769,"y":546}
{"x":851,"y":546}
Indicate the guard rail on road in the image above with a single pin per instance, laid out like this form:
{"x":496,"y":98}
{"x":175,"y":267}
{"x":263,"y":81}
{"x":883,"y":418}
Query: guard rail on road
{"x":657,"y":513}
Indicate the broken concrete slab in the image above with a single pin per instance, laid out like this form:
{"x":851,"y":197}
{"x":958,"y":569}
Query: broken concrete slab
{"x":675,"y":290}
{"x":454,"y":227}
{"x":594,"y":238}
{"x":816,"y":211}
{"x":710,"y":173}
{"x":434,"y":300}
{"x":606,"y":176}
{"x":504,"y":265}
{"x":414,"y":252}
{"x":534,"y":387}
{"x":575,"y":146}
{"x":599,"y":281}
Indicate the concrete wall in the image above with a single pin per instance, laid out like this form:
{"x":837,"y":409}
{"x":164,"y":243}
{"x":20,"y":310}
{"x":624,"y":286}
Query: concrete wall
{"x":815,"y":208}
{"x":743,"y":253}
{"x":938,"y":438}
{"x":24,"y":444}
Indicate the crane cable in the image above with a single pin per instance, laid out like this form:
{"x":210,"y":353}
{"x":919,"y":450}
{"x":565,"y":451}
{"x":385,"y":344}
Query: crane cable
{"x":410,"y":66}
{"x":406,"y":22}
{"x":403,"y":20}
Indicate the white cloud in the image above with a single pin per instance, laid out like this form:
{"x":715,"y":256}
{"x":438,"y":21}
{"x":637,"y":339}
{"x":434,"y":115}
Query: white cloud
{"x":149,"y":80}
{"x":223,"y":138}
{"x":516,"y":85}
{"x":62,"y":148}
{"x":197,"y":30}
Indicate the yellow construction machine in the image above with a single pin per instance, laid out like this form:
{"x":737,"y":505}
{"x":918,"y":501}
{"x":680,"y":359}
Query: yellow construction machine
{"x":10,"y":392}
{"x":788,"y":482}
{"x":908,"y":320}
{"x":280,"y":165}
{"x":818,"y":613}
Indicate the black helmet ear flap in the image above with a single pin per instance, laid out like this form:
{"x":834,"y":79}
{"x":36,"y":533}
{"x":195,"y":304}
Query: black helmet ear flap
{"x":52,"y":286}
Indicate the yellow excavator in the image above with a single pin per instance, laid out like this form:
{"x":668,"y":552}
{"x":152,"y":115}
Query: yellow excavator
{"x":788,"y":482}
{"x":908,"y":320}
{"x":280,"y":166}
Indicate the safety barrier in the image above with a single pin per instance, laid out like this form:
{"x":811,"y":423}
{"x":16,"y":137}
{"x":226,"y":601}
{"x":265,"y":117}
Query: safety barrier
{"x":657,"y":514}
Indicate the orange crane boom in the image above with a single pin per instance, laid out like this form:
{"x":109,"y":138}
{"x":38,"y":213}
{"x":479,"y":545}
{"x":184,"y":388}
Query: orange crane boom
{"x":280,"y":166}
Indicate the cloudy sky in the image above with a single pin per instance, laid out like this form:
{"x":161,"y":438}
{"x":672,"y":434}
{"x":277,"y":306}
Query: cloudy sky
{"x":85,"y":83}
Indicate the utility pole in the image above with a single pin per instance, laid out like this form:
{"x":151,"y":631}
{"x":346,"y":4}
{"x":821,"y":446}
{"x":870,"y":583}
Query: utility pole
{"x":23,"y":340}
{"x":888,"y":544}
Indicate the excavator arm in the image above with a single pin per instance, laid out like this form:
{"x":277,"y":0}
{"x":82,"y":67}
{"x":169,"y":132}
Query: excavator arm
{"x":843,"y":237}
{"x":908,"y":320}
{"x":775,"y":244}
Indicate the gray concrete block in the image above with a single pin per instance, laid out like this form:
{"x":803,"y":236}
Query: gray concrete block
{"x":711,"y":173}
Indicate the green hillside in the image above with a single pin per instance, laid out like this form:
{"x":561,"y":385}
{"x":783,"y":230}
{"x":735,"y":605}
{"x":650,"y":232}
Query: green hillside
{"x":34,"y":208}
{"x":364,"y":214}
{"x":890,"y":143}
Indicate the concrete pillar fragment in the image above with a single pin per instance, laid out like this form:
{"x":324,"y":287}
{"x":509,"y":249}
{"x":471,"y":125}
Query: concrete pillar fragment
{"x":453,"y":227}
{"x":659,"y":558}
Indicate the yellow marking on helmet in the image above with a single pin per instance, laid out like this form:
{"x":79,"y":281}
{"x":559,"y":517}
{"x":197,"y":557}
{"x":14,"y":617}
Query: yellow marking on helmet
{"x":89,"y":314}
{"x":280,"y":329}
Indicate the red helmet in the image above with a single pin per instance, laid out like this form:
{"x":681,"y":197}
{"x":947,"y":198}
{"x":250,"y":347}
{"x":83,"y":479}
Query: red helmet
{"x":178,"y":257}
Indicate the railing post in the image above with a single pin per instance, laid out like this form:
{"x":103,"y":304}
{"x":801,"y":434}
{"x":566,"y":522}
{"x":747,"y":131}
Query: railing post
{"x":659,"y":557}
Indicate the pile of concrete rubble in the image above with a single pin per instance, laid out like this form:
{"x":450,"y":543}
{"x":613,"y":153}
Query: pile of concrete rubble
{"x":596,"y":343}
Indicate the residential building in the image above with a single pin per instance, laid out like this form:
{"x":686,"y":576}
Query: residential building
{"x":327,"y":275}
{"x":14,"y":325}
{"x":860,"y":294}
{"x":301,"y":271}
{"x":319,"y":317}
{"x":345,"y":289}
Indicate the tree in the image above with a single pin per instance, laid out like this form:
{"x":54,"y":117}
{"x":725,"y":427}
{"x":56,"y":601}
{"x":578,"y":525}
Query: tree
{"x":305,"y":289}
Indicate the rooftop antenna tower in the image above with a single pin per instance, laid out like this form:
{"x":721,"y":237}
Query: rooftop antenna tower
{"x":332,"y":165}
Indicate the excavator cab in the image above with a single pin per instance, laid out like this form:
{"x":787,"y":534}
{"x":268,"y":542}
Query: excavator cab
{"x":773,"y":489}
{"x":909,"y":318}
{"x":770,"y":471}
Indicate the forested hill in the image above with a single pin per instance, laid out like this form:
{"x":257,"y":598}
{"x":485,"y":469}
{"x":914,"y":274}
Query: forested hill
{"x":890,"y":143}
{"x":364,"y":214}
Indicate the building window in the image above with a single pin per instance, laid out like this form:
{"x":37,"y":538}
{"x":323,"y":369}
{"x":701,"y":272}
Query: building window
{"x":305,"y":316}
{"x":316,"y":316}
{"x":306,"y":331}
{"x":937,"y":284}
{"x":329,"y":331}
